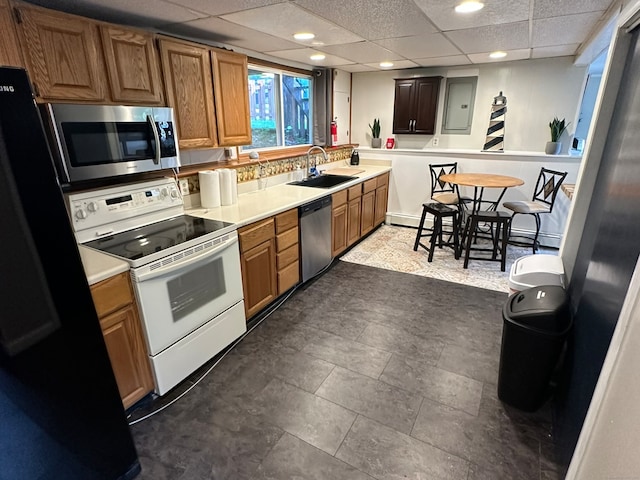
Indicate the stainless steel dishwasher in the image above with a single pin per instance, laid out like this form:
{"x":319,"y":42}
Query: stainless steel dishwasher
{"x":315,"y":236}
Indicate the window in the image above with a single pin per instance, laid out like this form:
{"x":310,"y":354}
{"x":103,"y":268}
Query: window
{"x":280,"y":108}
{"x":458,"y":105}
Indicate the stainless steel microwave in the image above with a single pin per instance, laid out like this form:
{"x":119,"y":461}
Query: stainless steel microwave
{"x":99,"y":141}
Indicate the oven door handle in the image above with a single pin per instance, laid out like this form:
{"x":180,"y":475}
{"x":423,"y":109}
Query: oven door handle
{"x":152,"y":124}
{"x":182,"y":264}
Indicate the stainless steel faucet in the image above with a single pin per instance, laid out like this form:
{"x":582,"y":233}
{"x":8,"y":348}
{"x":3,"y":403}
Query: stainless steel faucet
{"x":324,"y":154}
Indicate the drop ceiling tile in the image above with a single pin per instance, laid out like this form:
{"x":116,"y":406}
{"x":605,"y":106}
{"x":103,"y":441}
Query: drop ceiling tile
{"x":421,"y":46}
{"x":495,"y":12}
{"x":284,"y":19}
{"x":372,"y":20}
{"x":143,"y":13}
{"x":554,"y":8}
{"x":521,"y":54}
{"x":220,"y":7}
{"x":512,"y":36}
{"x":356,"y":68}
{"x":399,"y":65}
{"x":443,"y":61}
{"x":555,"y":51}
{"x":361,"y":52}
{"x":303,"y":54}
{"x":214,"y":29}
{"x":563,"y":30}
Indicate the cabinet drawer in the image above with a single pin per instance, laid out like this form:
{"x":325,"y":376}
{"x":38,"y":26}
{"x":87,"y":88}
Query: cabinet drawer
{"x":287,"y":220}
{"x":111,"y":294}
{"x":369,"y":185}
{"x":382,"y":180}
{"x":355,"y":191}
{"x":339,"y":198}
{"x":288,"y":277}
{"x":255,"y":234}
{"x":286,"y":239}
{"x":287,"y":257}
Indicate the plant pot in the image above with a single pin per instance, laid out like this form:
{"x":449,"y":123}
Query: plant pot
{"x":553,"y":148}
{"x":376,"y":142}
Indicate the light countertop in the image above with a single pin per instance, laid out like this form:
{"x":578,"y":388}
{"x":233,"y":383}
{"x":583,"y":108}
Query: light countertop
{"x":251,"y":207}
{"x":259,"y":204}
{"x":100,"y":266}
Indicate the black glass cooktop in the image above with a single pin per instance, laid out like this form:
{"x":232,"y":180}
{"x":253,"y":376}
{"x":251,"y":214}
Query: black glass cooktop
{"x":156,"y":237}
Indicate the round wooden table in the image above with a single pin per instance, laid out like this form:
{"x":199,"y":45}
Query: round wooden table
{"x":482,"y":180}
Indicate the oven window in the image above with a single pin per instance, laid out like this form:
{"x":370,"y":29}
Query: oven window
{"x":196,"y":288}
{"x":95,"y":143}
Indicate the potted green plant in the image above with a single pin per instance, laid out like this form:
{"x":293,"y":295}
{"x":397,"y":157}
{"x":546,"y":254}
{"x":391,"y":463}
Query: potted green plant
{"x":557,"y":129}
{"x":376,"y":141}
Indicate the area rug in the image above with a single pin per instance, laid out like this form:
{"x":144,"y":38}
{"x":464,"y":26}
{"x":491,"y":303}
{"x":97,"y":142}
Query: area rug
{"x":391,"y":247}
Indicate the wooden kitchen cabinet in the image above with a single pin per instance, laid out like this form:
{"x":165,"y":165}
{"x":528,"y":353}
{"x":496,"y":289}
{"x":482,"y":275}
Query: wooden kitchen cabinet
{"x":63,"y":55}
{"x":132,"y":65}
{"x":189,"y":90}
{"x":382,"y":195}
{"x":231,"y":94}
{"x":354,"y":207}
{"x":339,"y":222}
{"x":287,"y":250}
{"x":10,"y":53}
{"x":114,"y":302}
{"x":416,"y":105}
{"x":368,"y":206}
{"x":258,"y":264}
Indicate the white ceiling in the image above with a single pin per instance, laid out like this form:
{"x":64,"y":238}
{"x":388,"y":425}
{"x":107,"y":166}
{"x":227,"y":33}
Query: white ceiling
{"x":356,"y":35}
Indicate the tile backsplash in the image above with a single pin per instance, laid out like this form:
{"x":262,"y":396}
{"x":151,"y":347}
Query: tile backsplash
{"x":247,"y":173}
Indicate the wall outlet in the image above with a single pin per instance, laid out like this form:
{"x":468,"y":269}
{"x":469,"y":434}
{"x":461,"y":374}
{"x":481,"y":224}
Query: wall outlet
{"x":435,"y":141}
{"x":184,"y":186}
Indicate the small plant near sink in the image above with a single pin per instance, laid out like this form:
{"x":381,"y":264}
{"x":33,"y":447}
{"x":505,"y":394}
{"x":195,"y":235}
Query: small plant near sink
{"x":376,"y":141}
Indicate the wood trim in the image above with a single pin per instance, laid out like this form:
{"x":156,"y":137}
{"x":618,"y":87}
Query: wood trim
{"x":265,"y":63}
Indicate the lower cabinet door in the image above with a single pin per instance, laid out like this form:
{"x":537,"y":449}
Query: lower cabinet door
{"x":288,"y":277}
{"x":259,"y":276}
{"x":128,"y":354}
{"x":338,"y":230}
{"x":368,"y":212}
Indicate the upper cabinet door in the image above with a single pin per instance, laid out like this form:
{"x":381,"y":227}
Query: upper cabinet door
{"x":416,"y":105}
{"x":189,"y":90}
{"x":63,"y":55}
{"x":9,"y":47}
{"x":231,"y":93}
{"x":132,"y":63}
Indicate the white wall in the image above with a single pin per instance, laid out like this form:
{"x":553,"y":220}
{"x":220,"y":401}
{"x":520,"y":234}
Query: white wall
{"x":536,"y":91}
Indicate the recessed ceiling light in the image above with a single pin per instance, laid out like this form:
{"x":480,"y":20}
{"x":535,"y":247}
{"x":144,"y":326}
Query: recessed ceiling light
{"x":317,"y":56}
{"x":386,"y":64}
{"x":304,"y":36}
{"x":497,"y":54}
{"x":469,"y":6}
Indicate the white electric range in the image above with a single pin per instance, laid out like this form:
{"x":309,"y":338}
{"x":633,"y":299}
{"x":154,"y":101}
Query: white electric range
{"x":185,"y":271}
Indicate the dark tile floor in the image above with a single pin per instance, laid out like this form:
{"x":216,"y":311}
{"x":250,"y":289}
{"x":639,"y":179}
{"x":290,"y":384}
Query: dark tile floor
{"x":362,"y":374}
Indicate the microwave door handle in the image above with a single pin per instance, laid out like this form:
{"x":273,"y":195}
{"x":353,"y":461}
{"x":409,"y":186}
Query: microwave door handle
{"x":152,"y":123}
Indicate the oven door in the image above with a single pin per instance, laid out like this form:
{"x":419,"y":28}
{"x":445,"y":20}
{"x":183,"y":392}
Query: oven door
{"x":180,"y":293}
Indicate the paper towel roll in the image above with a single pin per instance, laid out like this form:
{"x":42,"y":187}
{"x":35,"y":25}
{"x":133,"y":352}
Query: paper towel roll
{"x":234,"y":185}
{"x":209,"y":188}
{"x":225,"y":187}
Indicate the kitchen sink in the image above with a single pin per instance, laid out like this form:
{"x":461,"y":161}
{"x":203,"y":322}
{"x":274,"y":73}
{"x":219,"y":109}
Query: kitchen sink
{"x":323,"y":181}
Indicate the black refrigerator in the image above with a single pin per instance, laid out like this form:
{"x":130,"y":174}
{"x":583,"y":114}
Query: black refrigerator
{"x":61,"y":416}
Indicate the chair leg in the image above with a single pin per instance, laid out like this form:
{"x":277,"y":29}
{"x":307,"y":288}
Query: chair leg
{"x":456,"y":239}
{"x":505,"y":239}
{"x":437,"y":232}
{"x":472,"y":228}
{"x":535,"y":238}
{"x":420,"y":227}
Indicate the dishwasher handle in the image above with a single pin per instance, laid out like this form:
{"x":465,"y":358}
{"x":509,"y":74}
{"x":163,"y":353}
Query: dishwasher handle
{"x":309,"y":208}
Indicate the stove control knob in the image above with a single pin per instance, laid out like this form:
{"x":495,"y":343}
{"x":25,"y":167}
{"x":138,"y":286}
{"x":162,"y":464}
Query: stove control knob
{"x":92,"y":207}
{"x":81,"y":214}
{"x":164,"y":193}
{"x":174,"y":193}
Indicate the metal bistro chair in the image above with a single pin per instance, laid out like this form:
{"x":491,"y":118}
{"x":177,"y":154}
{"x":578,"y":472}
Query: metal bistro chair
{"x":544,"y":196}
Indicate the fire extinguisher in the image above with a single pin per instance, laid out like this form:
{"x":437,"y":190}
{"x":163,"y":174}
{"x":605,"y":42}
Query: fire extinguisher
{"x":334,"y":133}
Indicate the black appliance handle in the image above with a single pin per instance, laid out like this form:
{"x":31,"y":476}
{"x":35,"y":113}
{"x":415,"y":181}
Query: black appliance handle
{"x":152,"y":123}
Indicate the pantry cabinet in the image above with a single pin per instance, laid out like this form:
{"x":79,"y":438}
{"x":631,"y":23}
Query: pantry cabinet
{"x":114,"y":302}
{"x":416,"y":105}
{"x":189,"y":89}
{"x":63,"y":55}
{"x":9,"y":47}
{"x":132,"y":65}
{"x":231,"y":94}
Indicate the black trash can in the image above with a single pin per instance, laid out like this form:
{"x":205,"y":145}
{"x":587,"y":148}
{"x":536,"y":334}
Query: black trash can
{"x":536,"y":324}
